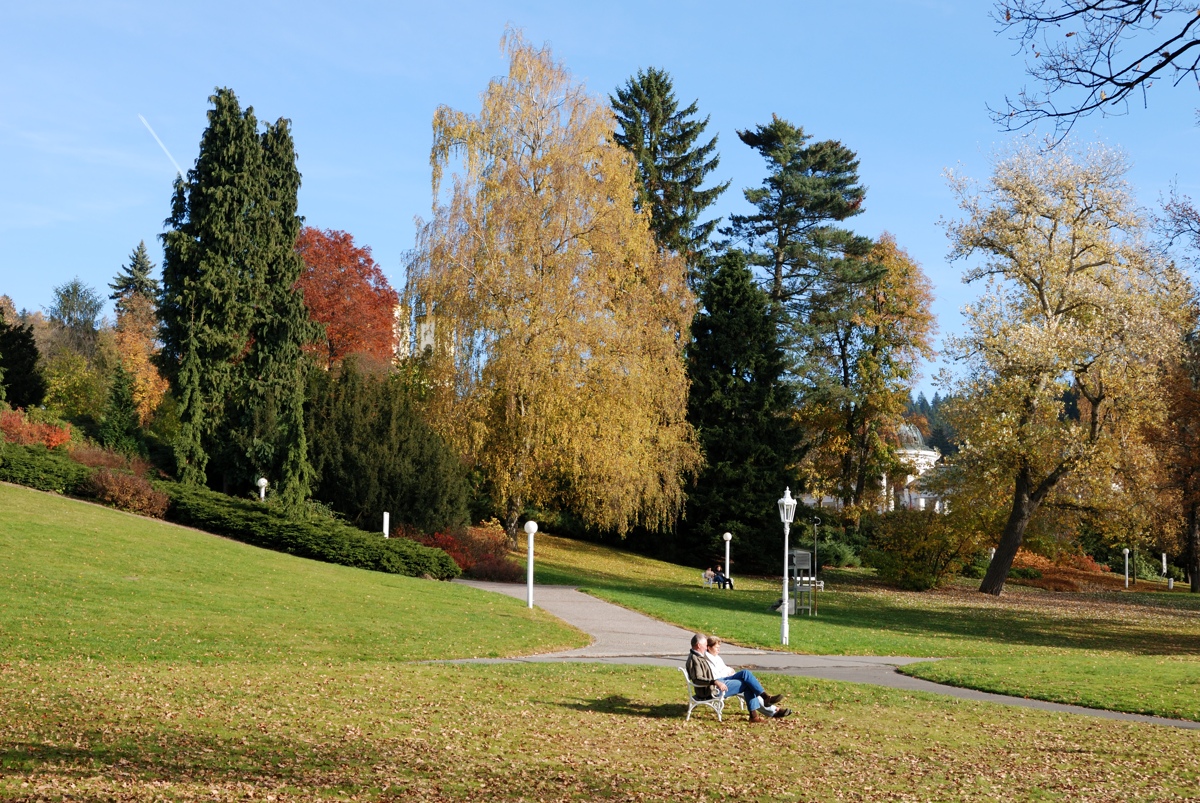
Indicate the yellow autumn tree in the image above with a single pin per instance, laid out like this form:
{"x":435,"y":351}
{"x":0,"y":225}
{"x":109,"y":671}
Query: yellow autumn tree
{"x":137,"y":343}
{"x":1064,"y":350}
{"x":553,"y":327}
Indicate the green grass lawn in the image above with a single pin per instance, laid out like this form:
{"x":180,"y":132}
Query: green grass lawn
{"x":1136,"y":652}
{"x":143,"y":661}
{"x":82,"y":581}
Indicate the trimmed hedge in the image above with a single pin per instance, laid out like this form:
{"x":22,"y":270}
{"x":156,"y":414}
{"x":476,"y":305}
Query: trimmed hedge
{"x":254,"y":523}
{"x":41,"y":468}
{"x":328,"y":540}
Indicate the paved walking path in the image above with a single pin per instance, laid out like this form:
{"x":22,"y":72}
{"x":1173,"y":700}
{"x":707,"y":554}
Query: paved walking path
{"x":622,"y":636}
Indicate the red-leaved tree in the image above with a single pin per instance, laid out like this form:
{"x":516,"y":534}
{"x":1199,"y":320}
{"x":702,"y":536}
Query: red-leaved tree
{"x":346,"y":292}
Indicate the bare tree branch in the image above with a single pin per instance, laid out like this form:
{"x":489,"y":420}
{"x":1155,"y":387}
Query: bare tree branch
{"x":1079,"y":51}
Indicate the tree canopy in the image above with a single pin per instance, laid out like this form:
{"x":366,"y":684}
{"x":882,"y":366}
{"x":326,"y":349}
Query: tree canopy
{"x":348,"y":295}
{"x":1063,"y":349}
{"x":672,"y":164}
{"x":556,"y":325}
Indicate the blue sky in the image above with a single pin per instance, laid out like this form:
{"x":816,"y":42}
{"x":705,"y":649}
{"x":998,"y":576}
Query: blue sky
{"x":904,"y":83}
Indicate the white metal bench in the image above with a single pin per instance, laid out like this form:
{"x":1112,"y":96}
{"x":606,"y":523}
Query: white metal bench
{"x":716,"y":703}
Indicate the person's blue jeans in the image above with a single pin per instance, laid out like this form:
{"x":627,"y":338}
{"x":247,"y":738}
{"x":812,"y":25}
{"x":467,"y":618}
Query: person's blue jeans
{"x":744,"y":683}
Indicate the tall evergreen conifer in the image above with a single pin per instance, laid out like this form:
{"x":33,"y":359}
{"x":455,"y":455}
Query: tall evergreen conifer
{"x":739,"y":405}
{"x":135,"y":277}
{"x":229,"y":311}
{"x":809,"y":187}
{"x":671,"y":166}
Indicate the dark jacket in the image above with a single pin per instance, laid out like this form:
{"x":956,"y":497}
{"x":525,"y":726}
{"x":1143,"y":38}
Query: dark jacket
{"x":700,"y":671}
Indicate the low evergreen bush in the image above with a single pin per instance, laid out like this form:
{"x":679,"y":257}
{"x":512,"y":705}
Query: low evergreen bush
{"x":319,"y":538}
{"x":35,"y":466}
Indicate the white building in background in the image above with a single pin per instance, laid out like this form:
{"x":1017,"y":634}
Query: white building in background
{"x":905,"y":491}
{"x":899,"y":492}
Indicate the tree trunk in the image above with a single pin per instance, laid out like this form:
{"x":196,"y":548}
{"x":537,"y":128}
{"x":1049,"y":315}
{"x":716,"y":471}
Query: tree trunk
{"x":1023,"y":508}
{"x":510,"y":521}
{"x":1193,"y":546}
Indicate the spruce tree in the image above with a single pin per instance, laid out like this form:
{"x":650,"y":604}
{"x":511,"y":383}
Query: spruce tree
{"x":119,"y":424}
{"x":671,"y":166}
{"x":739,"y":405}
{"x":233,"y":325}
{"x":809,"y":187}
{"x":24,"y":385}
{"x":135,"y":277}
{"x":271,"y":426}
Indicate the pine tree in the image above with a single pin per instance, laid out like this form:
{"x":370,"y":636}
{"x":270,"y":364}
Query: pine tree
{"x":671,"y":166}
{"x":135,"y":277}
{"x":233,"y":325}
{"x":739,"y":405}
{"x":809,"y":187}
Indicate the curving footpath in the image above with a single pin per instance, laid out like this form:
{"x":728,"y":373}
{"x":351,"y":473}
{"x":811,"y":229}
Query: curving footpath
{"x":622,"y":636}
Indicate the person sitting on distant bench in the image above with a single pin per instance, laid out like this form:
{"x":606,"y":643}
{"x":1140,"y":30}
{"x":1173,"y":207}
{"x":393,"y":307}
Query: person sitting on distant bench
{"x":721,"y":579}
{"x":709,"y":576}
{"x":743,"y":682}
{"x":722,"y":670}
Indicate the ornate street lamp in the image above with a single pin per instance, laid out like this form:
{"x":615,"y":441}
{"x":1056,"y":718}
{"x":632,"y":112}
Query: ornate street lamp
{"x":530,"y":529}
{"x":727,"y":537}
{"x":787,"y":511}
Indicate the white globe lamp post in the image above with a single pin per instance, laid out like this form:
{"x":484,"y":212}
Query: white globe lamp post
{"x":530,"y":529}
{"x":787,"y":511}
{"x":262,"y":489}
{"x":727,"y":537}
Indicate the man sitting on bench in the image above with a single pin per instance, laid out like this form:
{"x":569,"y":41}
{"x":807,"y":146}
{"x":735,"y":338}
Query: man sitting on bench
{"x":721,"y":579}
{"x":741,"y":682}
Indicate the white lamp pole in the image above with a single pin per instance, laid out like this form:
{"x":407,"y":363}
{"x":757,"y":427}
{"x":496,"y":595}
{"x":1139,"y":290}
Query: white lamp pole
{"x":787,"y":510}
{"x":1126,"y":553}
{"x":816,"y":562}
{"x":728,"y":569}
{"x":530,"y":529}
{"x":262,"y":489}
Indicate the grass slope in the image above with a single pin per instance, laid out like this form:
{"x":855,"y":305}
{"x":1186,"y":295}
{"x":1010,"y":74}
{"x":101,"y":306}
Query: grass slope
{"x":141,"y":661}
{"x":1123,"y":651}
{"x":82,"y":581}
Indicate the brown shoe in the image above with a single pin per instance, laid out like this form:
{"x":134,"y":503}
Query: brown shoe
{"x":781,"y":713}
{"x":771,"y":699}
{"x":757,"y":716}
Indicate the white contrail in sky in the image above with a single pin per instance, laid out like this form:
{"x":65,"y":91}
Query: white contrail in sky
{"x":178,"y":169}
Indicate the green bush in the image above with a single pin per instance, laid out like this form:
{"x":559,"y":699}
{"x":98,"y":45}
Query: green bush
{"x":1025,"y":573}
{"x":36,"y":466}
{"x":319,"y":538}
{"x":916,"y":549}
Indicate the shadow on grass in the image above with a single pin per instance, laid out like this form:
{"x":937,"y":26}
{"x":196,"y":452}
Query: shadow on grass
{"x":879,"y":614}
{"x":623,"y":706}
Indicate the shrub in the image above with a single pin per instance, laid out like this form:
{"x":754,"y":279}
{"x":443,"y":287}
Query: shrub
{"x":1025,"y":573}
{"x":837,"y":555}
{"x":916,"y":549}
{"x":20,"y":429}
{"x":126,"y":492}
{"x":481,"y":552}
{"x":38,"y":467}
{"x":316,"y":537}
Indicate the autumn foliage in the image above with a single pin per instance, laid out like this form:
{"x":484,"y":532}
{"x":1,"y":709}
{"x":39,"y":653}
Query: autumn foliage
{"x":17,"y":428}
{"x":347,"y":293}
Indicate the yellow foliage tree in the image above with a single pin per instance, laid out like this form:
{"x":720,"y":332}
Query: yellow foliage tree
{"x":556,"y":327}
{"x":1062,"y":351}
{"x":136,"y":342}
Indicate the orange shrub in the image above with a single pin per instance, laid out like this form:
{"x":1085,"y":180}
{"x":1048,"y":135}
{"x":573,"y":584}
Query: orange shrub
{"x":16,"y":427}
{"x":481,"y":553}
{"x":127,"y":492}
{"x":95,"y":457}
